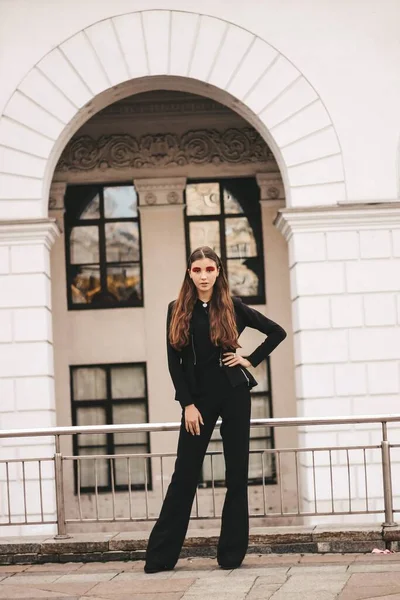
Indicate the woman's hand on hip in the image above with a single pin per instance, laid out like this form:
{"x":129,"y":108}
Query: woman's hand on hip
{"x":193,"y":419}
{"x":231,"y":359}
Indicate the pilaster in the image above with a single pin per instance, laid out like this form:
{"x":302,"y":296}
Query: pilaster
{"x":26,"y":351}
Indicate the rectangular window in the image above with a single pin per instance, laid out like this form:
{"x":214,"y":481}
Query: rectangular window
{"x":260,"y":466}
{"x":103,"y":248}
{"x":110,"y":395}
{"x":226,"y":215}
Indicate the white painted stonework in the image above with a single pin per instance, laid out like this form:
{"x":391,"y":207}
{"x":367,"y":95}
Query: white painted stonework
{"x":347,"y":335}
{"x":300,"y":74}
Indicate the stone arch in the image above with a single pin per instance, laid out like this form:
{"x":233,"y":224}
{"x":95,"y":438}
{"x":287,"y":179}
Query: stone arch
{"x":125,"y":54}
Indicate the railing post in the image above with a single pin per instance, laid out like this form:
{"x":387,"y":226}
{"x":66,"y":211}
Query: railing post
{"x":60,"y":504}
{"x":387,"y":478}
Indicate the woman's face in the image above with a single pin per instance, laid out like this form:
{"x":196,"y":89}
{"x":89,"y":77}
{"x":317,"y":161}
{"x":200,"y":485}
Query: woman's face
{"x":203,"y":273}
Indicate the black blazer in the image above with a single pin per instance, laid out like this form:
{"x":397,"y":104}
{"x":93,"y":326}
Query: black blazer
{"x":181,"y":363}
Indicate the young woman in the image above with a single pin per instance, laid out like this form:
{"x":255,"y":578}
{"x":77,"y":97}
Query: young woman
{"x":211,"y":380}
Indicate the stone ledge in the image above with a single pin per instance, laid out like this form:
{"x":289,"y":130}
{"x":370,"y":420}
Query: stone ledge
{"x":90,"y":547}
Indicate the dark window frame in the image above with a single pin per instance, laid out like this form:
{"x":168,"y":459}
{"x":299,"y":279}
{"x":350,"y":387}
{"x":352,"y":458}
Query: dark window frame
{"x":268,"y":480}
{"x":70,"y":222}
{"x":257,"y":299}
{"x":110,"y":446}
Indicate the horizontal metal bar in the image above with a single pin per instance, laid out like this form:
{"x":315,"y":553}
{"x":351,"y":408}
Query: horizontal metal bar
{"x":204,"y":518}
{"x":215,"y":452}
{"x":174,"y":426}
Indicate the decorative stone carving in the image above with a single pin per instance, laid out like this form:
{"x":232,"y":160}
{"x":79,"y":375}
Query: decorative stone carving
{"x":173,"y":197}
{"x":56,"y":196}
{"x":150,"y":198}
{"x":273,"y":193}
{"x":272,"y":190}
{"x":160,"y":191}
{"x":197,"y":147}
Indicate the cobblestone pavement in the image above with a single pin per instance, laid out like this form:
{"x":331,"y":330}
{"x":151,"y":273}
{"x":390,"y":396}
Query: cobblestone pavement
{"x":261,"y":577}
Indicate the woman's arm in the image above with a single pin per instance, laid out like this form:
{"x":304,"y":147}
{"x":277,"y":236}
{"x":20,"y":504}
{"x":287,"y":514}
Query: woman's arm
{"x":175,"y":368}
{"x":274,"y":332}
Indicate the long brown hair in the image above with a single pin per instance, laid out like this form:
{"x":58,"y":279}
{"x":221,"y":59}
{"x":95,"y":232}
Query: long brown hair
{"x":223,"y":330}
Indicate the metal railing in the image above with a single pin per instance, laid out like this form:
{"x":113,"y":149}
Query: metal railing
{"x":322,"y":479}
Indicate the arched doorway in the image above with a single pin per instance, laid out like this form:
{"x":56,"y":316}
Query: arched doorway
{"x":113,"y":59}
{"x":138,"y":187}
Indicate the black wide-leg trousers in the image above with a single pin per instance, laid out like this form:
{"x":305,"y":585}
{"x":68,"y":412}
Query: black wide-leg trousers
{"x":233,"y":404}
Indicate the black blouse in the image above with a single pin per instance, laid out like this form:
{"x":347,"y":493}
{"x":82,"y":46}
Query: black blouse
{"x":205,"y":351}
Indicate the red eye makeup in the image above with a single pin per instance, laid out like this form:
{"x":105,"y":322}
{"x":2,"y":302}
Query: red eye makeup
{"x":208,"y":269}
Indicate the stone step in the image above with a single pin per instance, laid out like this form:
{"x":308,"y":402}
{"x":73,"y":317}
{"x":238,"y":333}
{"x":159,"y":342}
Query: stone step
{"x":89,"y":547}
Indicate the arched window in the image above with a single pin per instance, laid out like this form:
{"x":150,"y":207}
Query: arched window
{"x":225,"y":214}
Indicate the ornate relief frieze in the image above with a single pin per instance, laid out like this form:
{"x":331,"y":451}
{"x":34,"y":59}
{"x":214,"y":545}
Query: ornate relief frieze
{"x":199,"y":147}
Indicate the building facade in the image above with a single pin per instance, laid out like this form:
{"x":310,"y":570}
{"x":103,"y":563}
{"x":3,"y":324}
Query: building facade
{"x":132,"y":132}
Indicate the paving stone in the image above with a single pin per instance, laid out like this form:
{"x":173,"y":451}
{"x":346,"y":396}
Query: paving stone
{"x":76,"y":589}
{"x":148,"y":586}
{"x":266,"y":574}
{"x":21,"y":544}
{"x":327,"y":558}
{"x":52,"y":568}
{"x":133,"y":596}
{"x":22,"y":579}
{"x":262,"y":591}
{"x":368,"y":592}
{"x":307,"y":595}
{"x":140,"y":575}
{"x":373,"y":568}
{"x":29,"y":593}
{"x":103,"y":566}
{"x":323,"y":582}
{"x":13,"y":568}
{"x":214,"y":585}
{"x":270,"y":560}
{"x":375,"y":579}
{"x":84,"y":577}
{"x":317,"y":569}
{"x":377,"y":558}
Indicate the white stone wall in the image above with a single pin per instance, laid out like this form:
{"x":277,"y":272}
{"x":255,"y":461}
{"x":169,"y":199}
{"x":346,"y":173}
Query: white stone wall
{"x":345,"y":281}
{"x":26,"y":369}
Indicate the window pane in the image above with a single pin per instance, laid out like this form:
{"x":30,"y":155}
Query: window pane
{"x":218,"y":463}
{"x":120,"y":202}
{"x":240,"y":240}
{"x":261,"y":374}
{"x":122,"y":241}
{"x":84,"y":245}
{"x":89,"y":384}
{"x":88,"y":468}
{"x":123,"y":282}
{"x":255,"y":460}
{"x":242,"y":280}
{"x":129,"y":413}
{"x":204,"y":233}
{"x":86,"y":415}
{"x":92,"y":209}
{"x":231,"y":204}
{"x":127,"y":382}
{"x":85,"y":284}
{"x":203,"y":199}
{"x":137,"y":466}
{"x":260,"y":409}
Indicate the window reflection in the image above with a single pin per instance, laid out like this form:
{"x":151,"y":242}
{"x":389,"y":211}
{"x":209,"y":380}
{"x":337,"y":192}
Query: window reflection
{"x":203,"y":199}
{"x":226,"y":216}
{"x":205,"y":233}
{"x":103,"y":257}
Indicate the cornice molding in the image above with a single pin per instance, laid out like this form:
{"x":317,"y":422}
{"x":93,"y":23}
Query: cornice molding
{"x":197,"y":147}
{"x":338,"y":218}
{"x":38,"y":231}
